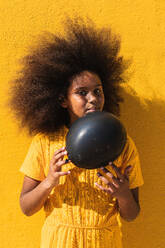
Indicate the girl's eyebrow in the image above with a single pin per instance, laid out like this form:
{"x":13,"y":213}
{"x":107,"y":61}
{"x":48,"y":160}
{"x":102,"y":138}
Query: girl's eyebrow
{"x":83,"y":88}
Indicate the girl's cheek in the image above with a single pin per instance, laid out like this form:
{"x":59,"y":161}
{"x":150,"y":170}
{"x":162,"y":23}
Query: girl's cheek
{"x":81,"y":100}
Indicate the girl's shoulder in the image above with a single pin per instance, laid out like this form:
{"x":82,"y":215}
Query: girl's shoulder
{"x":130,"y":145}
{"x":57,"y":136}
{"x":129,"y":152}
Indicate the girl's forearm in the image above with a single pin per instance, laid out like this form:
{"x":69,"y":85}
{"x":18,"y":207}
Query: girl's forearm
{"x":128,"y":207}
{"x":32,"y":201}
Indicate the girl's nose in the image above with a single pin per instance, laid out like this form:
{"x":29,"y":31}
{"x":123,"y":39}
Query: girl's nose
{"x":92,"y":98}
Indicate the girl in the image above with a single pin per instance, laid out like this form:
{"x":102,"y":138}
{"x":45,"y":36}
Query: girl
{"x":62,"y":79}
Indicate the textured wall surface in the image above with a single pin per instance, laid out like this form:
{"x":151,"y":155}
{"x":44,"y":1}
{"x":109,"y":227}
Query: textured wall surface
{"x":141,"y":24}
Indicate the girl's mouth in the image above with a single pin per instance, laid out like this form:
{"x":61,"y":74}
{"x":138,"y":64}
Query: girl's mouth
{"x":93,"y":109}
{"x":90,"y":110}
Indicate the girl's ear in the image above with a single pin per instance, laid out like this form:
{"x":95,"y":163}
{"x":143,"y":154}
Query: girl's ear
{"x":62,"y":101}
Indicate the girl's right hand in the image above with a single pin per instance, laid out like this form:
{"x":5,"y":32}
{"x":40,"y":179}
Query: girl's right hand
{"x":55,"y":167}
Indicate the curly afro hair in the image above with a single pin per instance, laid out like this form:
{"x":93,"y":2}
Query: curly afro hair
{"x":47,"y":70}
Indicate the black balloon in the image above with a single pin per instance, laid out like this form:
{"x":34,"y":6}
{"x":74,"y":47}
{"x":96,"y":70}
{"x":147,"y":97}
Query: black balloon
{"x":95,"y":139}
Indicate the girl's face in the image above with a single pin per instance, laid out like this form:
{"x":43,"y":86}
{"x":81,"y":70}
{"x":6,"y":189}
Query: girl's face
{"x":85,"y":94}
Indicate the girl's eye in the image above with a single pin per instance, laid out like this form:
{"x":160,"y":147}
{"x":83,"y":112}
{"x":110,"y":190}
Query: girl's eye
{"x":97,"y":92}
{"x":82,"y":93}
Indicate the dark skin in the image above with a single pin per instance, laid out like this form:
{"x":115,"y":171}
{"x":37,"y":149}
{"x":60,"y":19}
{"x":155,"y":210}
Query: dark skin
{"x":85,"y":94}
{"x":118,"y":187}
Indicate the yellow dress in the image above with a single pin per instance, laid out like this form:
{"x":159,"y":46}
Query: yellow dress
{"x":78,"y":214}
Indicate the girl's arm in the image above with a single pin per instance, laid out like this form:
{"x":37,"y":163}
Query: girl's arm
{"x":128,"y":205}
{"x":34,"y":193}
{"x":118,"y":187}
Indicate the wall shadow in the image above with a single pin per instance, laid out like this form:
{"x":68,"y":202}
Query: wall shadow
{"x":145,"y":123}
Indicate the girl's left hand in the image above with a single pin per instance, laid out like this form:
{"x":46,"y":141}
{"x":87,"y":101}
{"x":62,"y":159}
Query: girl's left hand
{"x":117,"y":186}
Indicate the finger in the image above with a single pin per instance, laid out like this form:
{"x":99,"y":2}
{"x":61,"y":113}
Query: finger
{"x":105,"y":170}
{"x":108,"y":173}
{"x":59,"y":156}
{"x":59,"y":150}
{"x":58,"y":165}
{"x":105,"y":180}
{"x":115,"y":181}
{"x":107,"y":190}
{"x":112,"y":185}
{"x":117,"y":171}
{"x":63,"y":173}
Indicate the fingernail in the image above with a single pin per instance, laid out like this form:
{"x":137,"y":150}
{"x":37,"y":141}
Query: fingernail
{"x":68,"y":172}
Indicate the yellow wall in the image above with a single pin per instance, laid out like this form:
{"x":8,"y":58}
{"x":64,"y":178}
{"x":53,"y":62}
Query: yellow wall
{"x":141,"y":25}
